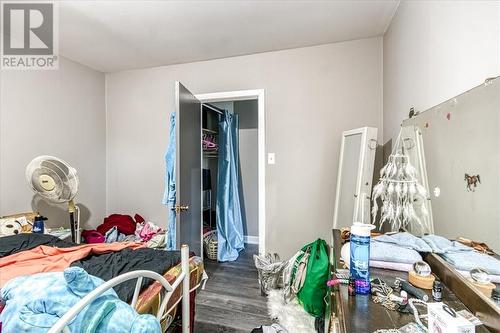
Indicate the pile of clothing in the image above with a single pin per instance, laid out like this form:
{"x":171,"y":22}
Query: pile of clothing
{"x":36,"y":302}
{"x":124,"y":228}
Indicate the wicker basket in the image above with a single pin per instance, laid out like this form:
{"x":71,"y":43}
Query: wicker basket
{"x":210,"y":244}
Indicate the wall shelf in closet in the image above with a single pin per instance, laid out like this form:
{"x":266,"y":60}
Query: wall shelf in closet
{"x":210,"y":154}
{"x":206,"y":130}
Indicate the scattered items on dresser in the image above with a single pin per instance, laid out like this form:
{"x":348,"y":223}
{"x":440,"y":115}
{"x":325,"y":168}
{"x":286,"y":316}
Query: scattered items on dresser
{"x":471,"y":182}
{"x":437,"y":291}
{"x":442,"y":318}
{"x":413,"y":291}
{"x":351,"y":289}
{"x":420,"y":276}
{"x":360,"y":256}
{"x":470,"y":317}
{"x":341,"y":277}
{"x":421,"y":268}
{"x":383,"y":294}
{"x":482,"y":281}
{"x":404,"y":200}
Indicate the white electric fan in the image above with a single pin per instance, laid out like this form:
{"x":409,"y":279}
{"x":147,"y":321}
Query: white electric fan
{"x":56,"y":181}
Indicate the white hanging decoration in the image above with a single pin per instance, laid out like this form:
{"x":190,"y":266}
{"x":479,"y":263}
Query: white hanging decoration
{"x":403,"y":198}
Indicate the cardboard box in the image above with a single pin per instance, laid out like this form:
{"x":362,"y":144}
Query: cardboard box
{"x":443,"y":319}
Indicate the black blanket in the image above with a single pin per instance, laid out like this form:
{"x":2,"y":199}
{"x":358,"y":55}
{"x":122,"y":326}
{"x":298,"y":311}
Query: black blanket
{"x":22,"y":242}
{"x":107,"y":266}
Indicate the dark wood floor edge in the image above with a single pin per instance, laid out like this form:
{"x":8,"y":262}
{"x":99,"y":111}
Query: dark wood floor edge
{"x":477,"y":302}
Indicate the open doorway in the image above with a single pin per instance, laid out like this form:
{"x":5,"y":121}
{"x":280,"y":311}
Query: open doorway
{"x":249,"y":106}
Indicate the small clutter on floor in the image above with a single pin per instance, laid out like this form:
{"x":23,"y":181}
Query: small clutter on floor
{"x":296,"y":288}
{"x":274,"y":328}
{"x":210,"y":244}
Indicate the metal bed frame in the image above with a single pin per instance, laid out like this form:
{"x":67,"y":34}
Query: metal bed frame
{"x":62,"y":324}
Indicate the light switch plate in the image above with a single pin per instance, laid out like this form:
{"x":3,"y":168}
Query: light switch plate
{"x":271,"y":158}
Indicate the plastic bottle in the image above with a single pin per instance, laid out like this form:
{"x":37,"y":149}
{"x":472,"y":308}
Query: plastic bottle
{"x":360,"y":256}
{"x":38,"y":224}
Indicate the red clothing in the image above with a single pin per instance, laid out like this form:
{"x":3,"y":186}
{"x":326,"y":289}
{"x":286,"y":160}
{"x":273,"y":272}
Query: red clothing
{"x":124,"y":223}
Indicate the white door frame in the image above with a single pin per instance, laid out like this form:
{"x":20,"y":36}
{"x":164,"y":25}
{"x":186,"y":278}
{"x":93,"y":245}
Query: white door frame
{"x":259,"y":95}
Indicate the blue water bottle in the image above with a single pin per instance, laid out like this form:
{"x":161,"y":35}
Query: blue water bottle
{"x":360,"y":256}
{"x":38,"y":224}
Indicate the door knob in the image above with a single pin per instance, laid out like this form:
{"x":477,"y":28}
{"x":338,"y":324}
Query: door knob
{"x":180,"y":208}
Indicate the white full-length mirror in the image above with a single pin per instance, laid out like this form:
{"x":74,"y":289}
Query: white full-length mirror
{"x":354,"y":181}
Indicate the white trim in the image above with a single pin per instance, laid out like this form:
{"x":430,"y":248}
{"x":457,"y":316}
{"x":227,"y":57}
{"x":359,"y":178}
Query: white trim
{"x":239,"y":95}
{"x":251,"y":239}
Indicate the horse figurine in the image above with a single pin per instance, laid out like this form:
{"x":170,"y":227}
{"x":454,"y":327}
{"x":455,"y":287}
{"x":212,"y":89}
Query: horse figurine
{"x":472,"y":182}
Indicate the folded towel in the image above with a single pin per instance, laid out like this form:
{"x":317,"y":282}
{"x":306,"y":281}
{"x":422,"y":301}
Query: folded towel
{"x":380,"y":251}
{"x":406,"y":240}
{"x":385,"y":252}
{"x":467,"y":260}
{"x":440,"y":244}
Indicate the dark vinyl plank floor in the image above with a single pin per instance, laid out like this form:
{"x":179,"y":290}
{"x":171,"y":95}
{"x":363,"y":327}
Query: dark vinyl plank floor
{"x":231,"y":301}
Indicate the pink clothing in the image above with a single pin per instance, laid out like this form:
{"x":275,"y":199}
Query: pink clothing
{"x":52,"y":259}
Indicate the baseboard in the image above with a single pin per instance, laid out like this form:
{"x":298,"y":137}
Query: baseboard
{"x":251,"y":239}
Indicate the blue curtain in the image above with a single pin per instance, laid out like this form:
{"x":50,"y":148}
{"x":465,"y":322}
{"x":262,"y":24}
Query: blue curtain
{"x":169,"y":195}
{"x":228,"y":209}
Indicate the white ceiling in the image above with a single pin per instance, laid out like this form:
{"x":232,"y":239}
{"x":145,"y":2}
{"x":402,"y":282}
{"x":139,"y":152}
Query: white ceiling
{"x":113,"y":36}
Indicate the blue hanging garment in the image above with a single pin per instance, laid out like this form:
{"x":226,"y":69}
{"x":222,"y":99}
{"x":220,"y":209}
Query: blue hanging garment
{"x":169,"y":195}
{"x":228,"y":210}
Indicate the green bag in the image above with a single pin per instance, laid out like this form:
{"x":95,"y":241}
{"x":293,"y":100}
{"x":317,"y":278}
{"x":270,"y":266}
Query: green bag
{"x":310,"y":276}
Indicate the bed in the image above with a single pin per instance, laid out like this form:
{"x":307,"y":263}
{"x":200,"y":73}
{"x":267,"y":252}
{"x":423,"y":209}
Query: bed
{"x":143,"y":283}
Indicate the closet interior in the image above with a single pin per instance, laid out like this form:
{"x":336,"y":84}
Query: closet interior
{"x":246,"y":168}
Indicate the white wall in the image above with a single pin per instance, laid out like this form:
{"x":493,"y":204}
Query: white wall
{"x":312,"y":95}
{"x":434,"y":50}
{"x":60,"y":113}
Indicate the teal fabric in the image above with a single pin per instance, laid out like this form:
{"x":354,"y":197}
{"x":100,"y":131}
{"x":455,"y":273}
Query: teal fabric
{"x":169,"y":197}
{"x":34,"y":304}
{"x":228,"y":208}
{"x":406,"y":240}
